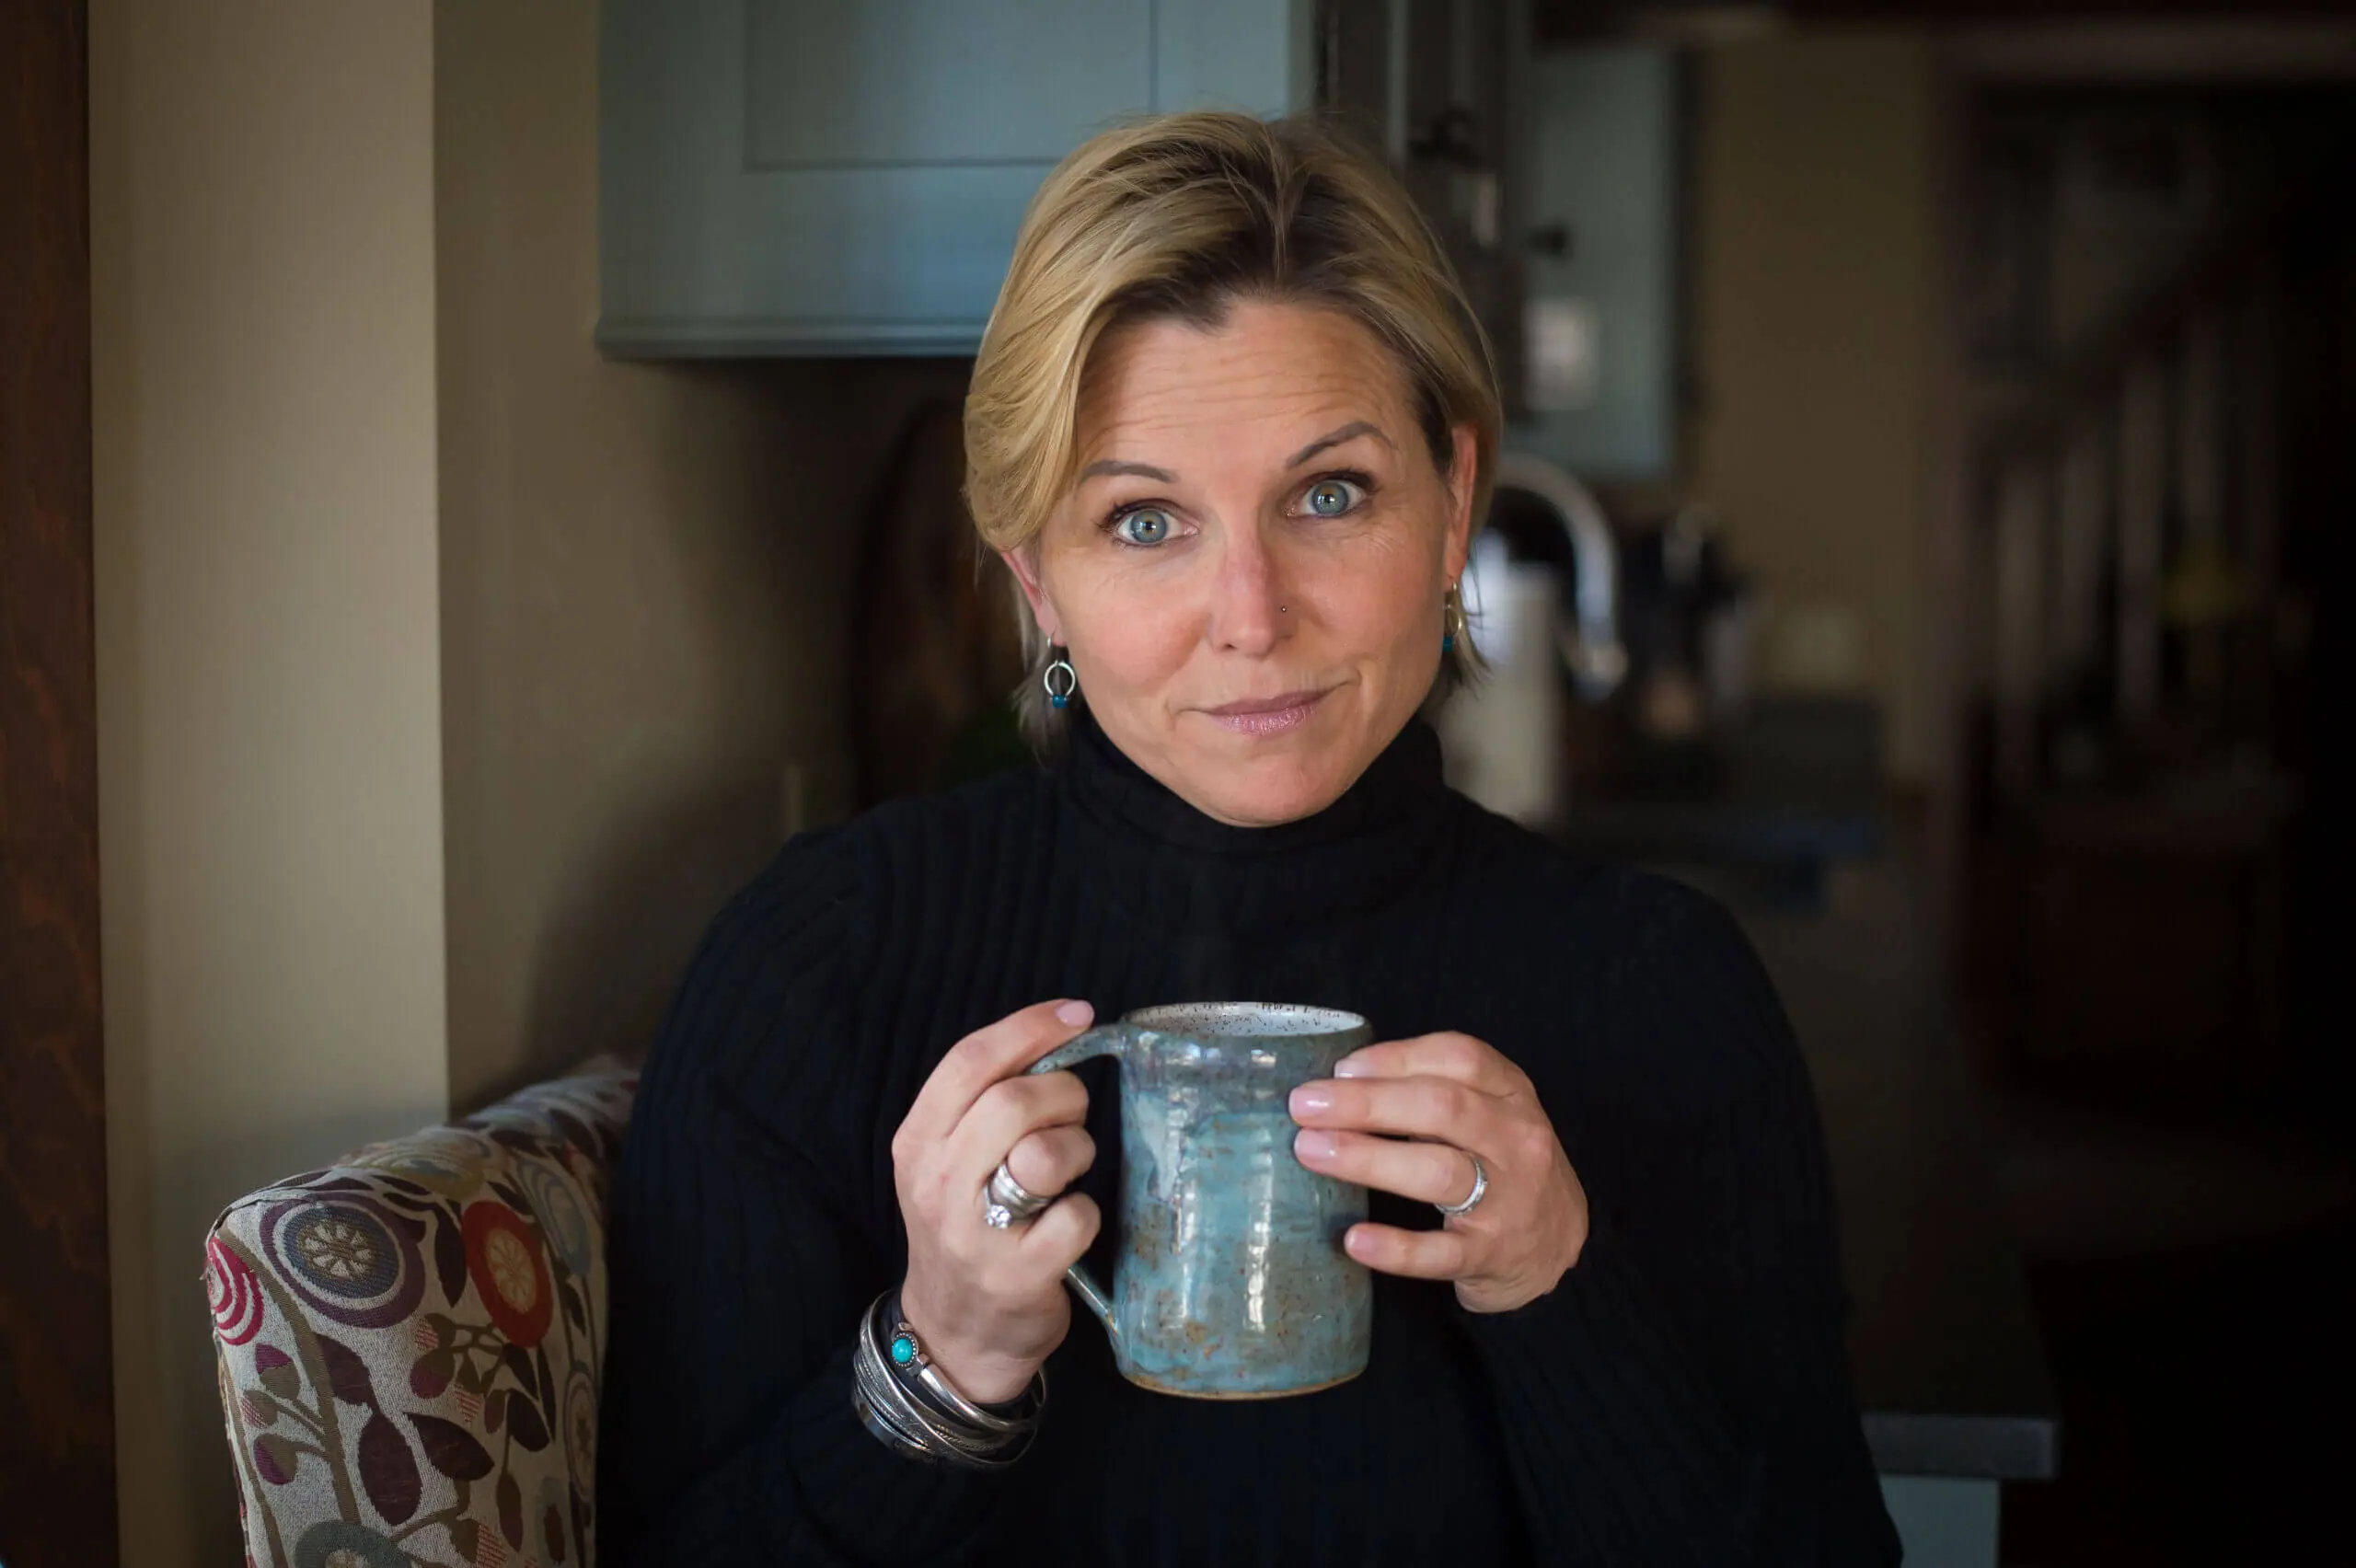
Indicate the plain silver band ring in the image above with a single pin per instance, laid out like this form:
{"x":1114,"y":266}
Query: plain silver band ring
{"x":1005,"y":1202}
{"x":1013,"y":1193}
{"x":1472,"y":1200}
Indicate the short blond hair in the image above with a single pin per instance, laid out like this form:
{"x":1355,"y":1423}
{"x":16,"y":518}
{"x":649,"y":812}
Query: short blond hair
{"x":1178,"y":216}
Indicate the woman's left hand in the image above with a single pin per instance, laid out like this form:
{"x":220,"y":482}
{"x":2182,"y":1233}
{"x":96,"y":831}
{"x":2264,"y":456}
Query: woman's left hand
{"x":1446,"y":1097}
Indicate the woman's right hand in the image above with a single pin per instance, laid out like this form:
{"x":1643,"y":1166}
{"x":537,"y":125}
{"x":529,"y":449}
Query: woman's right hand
{"x":989,"y":1305}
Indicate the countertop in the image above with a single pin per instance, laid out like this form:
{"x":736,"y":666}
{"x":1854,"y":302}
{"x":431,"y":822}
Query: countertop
{"x":1784,"y":795}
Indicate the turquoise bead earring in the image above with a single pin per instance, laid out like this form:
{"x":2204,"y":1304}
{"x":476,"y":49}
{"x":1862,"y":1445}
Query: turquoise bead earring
{"x":1448,"y":614}
{"x":1060,"y":696}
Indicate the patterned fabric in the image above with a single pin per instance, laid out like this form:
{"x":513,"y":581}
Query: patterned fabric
{"x":410,"y":1343}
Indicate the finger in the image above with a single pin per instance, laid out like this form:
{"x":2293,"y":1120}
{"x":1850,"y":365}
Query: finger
{"x":1061,"y":1233}
{"x":1007,"y":1111}
{"x":1446,"y":1054}
{"x":1049,"y":1160}
{"x":985,"y":1056}
{"x":1418,"y":1254}
{"x":1444,"y":1108}
{"x":1427,"y":1172}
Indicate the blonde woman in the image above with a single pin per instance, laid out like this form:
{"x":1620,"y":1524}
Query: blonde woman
{"x":1231,"y":427}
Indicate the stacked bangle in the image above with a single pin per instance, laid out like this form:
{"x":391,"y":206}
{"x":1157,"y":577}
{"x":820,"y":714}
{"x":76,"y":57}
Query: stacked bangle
{"x":903,"y":1399}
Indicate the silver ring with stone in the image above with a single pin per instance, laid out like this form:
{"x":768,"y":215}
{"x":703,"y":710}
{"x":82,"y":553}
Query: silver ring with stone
{"x":1005,"y":1202}
{"x":1480,"y":1189}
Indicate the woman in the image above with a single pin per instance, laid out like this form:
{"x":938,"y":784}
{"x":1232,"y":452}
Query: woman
{"x":1231,"y":428}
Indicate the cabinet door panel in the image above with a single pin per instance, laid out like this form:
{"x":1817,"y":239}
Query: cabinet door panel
{"x":854,"y":83}
{"x":932,"y":248}
{"x":782,"y":177}
{"x":1255,"y":55}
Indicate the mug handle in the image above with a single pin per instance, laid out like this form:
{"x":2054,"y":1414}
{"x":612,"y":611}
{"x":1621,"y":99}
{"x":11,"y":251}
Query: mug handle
{"x":1109,"y":1040}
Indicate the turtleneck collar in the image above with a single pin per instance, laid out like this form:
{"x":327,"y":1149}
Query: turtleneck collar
{"x":1369,"y":844}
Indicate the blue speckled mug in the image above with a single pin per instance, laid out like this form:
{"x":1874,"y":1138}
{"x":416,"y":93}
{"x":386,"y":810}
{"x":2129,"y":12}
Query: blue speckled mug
{"x":1232,"y":1281}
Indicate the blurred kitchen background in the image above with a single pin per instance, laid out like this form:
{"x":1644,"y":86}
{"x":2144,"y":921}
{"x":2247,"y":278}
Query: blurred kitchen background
{"x":1925,"y":421}
{"x":532,"y":429}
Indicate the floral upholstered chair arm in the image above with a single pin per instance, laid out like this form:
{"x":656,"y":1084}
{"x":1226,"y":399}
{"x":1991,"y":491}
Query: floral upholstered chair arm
{"x":410,"y":1342}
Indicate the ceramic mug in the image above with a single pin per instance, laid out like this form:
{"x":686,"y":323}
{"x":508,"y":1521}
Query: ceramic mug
{"x":1231,"y":1282}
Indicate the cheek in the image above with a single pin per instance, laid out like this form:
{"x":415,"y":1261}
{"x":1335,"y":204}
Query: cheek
{"x":1388,"y":597}
{"x":1131,"y":638}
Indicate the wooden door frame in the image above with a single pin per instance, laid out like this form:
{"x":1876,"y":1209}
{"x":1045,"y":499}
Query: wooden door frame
{"x":57,"y":1448}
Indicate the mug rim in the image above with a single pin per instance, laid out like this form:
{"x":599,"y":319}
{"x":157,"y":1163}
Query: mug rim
{"x":1189,"y":1018}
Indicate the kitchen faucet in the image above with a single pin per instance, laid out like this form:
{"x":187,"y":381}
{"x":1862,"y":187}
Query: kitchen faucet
{"x":1590,"y":642}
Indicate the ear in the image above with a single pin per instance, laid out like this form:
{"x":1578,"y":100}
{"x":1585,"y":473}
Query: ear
{"x":1463,"y":480}
{"x":1023,"y":562}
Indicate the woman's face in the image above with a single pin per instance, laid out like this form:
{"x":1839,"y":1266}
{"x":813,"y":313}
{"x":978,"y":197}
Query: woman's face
{"x":1249,"y":573}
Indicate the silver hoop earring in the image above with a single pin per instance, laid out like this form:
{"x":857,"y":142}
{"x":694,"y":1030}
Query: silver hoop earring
{"x":1059,"y":698}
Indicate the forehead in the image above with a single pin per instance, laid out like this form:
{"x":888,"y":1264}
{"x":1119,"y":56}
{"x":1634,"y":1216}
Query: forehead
{"x":1265,"y":377}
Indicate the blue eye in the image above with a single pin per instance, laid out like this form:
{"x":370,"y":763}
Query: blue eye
{"x":1145,"y":525}
{"x":1330,"y":498}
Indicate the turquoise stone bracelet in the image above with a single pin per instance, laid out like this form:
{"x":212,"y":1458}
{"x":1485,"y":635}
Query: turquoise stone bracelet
{"x":907,"y":1356}
{"x":908,"y":1412}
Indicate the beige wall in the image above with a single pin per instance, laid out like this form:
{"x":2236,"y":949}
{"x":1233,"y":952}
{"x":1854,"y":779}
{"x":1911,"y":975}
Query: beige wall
{"x":449,"y":674}
{"x":643,"y":581}
{"x":270,"y":781}
{"x":1812,"y":230}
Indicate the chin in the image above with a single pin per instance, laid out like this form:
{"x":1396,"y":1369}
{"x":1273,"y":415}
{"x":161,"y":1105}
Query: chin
{"x":1269,"y":791}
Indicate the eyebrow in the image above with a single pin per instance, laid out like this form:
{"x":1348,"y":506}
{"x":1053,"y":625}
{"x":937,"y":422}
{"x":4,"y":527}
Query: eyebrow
{"x":1351,"y":432}
{"x":1142,"y":470}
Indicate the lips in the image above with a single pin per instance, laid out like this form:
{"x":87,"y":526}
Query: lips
{"x":1266,"y":704}
{"x":1265,"y":715}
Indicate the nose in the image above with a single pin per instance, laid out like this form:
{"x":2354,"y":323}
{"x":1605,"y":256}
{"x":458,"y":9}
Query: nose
{"x":1249,"y":611}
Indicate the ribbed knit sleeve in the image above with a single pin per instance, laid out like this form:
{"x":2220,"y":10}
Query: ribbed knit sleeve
{"x":1682,"y":1395}
{"x":742,"y":1260}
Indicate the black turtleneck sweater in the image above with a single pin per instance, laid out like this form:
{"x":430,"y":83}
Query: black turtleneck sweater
{"x":1680,"y":1397}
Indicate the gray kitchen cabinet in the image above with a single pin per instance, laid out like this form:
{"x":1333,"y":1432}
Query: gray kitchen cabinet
{"x":1436,"y":86}
{"x":1597,"y":167}
{"x":844,"y":176}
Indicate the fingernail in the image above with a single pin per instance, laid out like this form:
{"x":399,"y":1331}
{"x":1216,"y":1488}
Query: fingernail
{"x":1350,"y":1066}
{"x":1311,"y":1099}
{"x":1074,"y":1011}
{"x":1314,"y":1144}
